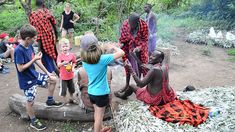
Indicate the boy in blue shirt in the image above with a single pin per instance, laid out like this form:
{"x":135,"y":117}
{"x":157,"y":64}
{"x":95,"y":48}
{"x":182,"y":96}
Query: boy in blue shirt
{"x":29,"y":78}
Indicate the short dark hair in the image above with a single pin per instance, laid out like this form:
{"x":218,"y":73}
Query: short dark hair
{"x":27,"y":31}
{"x":39,"y":3}
{"x":134,"y":17}
{"x":149,"y":5}
{"x":162,"y":55}
{"x":92,"y":54}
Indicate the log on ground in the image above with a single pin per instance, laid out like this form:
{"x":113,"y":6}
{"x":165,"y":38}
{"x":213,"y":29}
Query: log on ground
{"x":71,"y":112}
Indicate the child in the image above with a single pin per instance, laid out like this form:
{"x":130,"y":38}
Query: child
{"x":67,"y":22}
{"x":29,"y":78}
{"x":6,"y":50}
{"x":66,"y":63}
{"x":3,"y":69}
{"x":95,"y":64}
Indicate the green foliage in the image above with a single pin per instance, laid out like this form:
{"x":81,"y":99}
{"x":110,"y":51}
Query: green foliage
{"x":222,"y":12}
{"x":165,"y":5}
{"x":104,"y":17}
{"x":206,"y":51}
{"x":231,"y":52}
{"x":232,"y":59}
{"x":11,"y":20}
{"x":167,"y":24}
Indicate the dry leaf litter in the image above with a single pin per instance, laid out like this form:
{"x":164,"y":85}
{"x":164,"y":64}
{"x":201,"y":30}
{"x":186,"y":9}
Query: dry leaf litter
{"x":134,"y":116}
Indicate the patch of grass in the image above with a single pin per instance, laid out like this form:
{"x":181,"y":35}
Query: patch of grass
{"x":231,"y":52}
{"x":167,"y":23}
{"x":68,"y":127}
{"x":232,"y":59}
{"x":165,"y":27}
{"x":207,"y":51}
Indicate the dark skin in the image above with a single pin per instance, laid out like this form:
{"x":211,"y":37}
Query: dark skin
{"x":147,"y":8}
{"x":134,"y":23}
{"x":40,"y":7}
{"x":153,"y":79}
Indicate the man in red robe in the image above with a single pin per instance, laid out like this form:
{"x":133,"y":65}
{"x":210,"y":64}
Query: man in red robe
{"x":134,"y":40}
{"x":45,"y":24}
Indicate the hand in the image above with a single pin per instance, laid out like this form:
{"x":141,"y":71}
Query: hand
{"x":51,"y":76}
{"x":137,"y":49}
{"x":128,"y":65}
{"x":120,"y":45}
{"x":9,"y":46}
{"x":146,"y":66}
{"x":143,"y":66}
{"x":72,"y":21}
{"x":38,"y":56}
{"x":65,"y":63}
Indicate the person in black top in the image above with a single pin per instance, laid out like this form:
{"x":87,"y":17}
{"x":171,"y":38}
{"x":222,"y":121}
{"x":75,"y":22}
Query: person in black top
{"x":67,"y":23}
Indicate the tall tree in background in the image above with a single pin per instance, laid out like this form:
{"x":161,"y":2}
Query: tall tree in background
{"x":26,"y":4}
{"x":2,"y":2}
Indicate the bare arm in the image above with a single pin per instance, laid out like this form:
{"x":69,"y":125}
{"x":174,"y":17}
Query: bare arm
{"x":41,"y":66}
{"x":22,"y":67}
{"x":59,"y":64}
{"x":118,"y":52}
{"x":146,"y":80}
{"x":77,"y":17}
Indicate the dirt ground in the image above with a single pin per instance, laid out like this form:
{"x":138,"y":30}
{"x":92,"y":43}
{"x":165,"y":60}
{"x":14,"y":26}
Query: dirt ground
{"x":190,"y":67}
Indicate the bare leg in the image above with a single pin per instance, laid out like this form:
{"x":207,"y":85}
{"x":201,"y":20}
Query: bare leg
{"x":71,"y":39}
{"x":57,"y":72}
{"x":7,"y":53}
{"x":64,"y":99}
{"x":71,"y":96}
{"x":29,"y":109}
{"x":12,"y":54}
{"x":64,"y":33}
{"x":51,"y":85}
{"x":98,"y":115}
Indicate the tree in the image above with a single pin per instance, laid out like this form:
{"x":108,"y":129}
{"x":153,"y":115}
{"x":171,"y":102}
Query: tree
{"x":2,"y":2}
{"x":26,"y":4}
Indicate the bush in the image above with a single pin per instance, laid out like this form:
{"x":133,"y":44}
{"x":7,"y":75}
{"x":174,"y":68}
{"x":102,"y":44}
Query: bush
{"x":221,"y":12}
{"x":231,"y":52}
{"x":11,"y":20}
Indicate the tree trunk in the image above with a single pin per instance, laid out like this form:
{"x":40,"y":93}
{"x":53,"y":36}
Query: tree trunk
{"x":2,"y":2}
{"x":65,"y":113}
{"x":26,"y":4}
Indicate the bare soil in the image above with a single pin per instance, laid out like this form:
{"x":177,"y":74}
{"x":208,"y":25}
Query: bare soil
{"x":190,"y":67}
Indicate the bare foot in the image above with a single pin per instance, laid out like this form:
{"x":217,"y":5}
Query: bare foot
{"x":120,"y":95}
{"x":122,"y":90}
